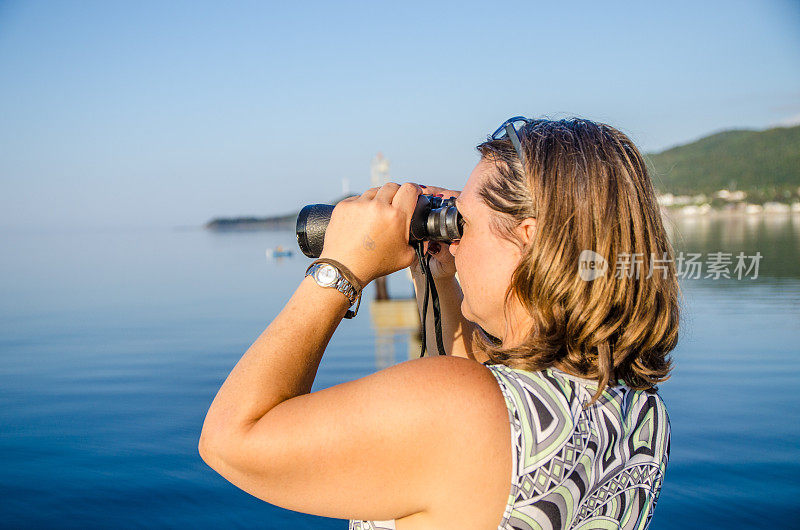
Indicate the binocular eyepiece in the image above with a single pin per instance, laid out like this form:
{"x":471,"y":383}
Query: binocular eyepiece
{"x":434,"y":219}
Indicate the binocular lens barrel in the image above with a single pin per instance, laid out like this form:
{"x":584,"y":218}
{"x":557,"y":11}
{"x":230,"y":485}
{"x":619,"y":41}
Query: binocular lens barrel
{"x":443,"y":224}
{"x":312,"y":221}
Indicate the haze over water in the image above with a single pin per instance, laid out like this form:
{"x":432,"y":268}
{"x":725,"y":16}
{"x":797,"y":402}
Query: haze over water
{"x":113,"y":343}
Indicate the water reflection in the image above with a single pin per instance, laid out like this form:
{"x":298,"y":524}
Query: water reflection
{"x":395,"y":322}
{"x":110,"y":358}
{"x":775,"y":236}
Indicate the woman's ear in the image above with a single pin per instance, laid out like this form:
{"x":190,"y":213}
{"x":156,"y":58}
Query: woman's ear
{"x":526,"y":230}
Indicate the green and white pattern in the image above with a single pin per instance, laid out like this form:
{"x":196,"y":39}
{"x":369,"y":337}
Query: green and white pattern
{"x":599,"y":467}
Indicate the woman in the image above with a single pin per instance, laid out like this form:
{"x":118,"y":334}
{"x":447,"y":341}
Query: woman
{"x":546,"y":345}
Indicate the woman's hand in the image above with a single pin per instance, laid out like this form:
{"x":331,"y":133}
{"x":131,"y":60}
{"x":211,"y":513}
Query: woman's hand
{"x":369,"y":234}
{"x":442,"y":263}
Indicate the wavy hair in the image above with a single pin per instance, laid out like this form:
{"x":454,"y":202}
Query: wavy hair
{"x":589,"y":189}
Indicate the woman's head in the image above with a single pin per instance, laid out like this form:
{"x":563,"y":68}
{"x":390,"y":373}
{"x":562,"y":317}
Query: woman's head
{"x":486,"y":258}
{"x":585,"y":188}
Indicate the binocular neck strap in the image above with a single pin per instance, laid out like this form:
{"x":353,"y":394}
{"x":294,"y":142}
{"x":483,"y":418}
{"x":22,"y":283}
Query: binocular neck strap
{"x":430,"y":288}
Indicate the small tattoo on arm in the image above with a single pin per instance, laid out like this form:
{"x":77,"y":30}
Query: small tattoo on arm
{"x":369,"y":243}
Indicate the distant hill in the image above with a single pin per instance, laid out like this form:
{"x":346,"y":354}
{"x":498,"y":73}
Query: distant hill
{"x":766,"y":164}
{"x":276,"y":222}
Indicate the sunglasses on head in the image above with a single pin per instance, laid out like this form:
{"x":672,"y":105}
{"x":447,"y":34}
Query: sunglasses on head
{"x":508,"y":129}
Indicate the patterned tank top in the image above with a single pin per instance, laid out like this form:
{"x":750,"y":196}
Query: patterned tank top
{"x":576,"y":468}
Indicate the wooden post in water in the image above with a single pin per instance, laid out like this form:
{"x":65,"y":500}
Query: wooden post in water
{"x":381,"y":292}
{"x":391,"y":320}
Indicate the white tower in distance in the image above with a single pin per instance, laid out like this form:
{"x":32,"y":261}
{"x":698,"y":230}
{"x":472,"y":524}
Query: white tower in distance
{"x":379,"y":170}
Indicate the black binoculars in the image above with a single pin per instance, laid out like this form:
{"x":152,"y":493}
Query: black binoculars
{"x":434,"y":219}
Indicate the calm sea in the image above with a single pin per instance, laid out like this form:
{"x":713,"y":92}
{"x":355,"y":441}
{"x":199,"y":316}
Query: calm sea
{"x":113,"y":344}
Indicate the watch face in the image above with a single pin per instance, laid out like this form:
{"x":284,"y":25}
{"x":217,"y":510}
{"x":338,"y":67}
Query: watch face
{"x":326,"y":275}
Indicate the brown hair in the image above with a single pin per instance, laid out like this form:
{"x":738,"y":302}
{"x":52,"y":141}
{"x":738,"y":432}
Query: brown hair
{"x":589,"y":189}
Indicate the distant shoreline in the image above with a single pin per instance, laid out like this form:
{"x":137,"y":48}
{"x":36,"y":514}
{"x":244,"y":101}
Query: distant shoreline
{"x":750,"y":210}
{"x":252,"y":224}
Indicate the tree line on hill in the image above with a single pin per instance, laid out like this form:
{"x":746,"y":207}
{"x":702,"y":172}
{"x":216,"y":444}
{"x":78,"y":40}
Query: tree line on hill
{"x":764,"y":164}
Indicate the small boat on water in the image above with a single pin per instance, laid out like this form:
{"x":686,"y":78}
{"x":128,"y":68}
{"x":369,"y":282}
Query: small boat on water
{"x":278,"y":252}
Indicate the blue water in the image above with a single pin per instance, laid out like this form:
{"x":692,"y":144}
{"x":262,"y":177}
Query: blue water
{"x":113,"y":344}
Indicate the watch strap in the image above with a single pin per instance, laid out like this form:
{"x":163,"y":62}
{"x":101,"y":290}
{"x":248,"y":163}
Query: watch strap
{"x":347,"y":284}
{"x":349,"y":276}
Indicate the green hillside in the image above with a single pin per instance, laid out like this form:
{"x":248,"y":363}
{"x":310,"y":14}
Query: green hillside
{"x":766,"y":164}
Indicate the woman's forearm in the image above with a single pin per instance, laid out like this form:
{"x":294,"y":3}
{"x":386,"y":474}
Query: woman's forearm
{"x":456,"y":330}
{"x":281,"y":364}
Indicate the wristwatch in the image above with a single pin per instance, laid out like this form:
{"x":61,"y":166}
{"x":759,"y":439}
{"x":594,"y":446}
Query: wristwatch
{"x":326,"y":275}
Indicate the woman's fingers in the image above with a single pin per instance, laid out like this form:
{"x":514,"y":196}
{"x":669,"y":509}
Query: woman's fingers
{"x":436,"y":190}
{"x":369,"y":194}
{"x":406,"y":197}
{"x":387,"y":192}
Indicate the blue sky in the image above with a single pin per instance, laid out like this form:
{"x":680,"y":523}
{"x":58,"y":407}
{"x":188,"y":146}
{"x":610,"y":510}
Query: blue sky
{"x":127,"y":114}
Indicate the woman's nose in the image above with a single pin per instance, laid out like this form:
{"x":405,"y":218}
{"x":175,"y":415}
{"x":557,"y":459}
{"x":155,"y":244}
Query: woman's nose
{"x":453,"y":246}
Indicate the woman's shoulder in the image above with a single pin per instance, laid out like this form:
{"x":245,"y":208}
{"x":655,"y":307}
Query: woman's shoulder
{"x":463,"y":419}
{"x":457,"y":392}
{"x":446,"y":373}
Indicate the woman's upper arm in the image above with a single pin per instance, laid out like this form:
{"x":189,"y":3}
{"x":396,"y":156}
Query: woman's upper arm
{"x":395,"y":443}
